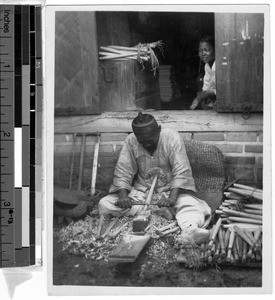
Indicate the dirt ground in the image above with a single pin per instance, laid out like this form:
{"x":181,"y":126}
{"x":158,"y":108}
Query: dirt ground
{"x":71,"y":269}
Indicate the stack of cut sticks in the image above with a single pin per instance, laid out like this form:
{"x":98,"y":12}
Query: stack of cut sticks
{"x":239,"y":244}
{"x":241,"y":196}
{"x":237,"y":235}
{"x":251,"y":214}
{"x":241,"y":191}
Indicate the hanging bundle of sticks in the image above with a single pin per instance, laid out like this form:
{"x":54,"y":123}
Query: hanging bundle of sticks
{"x":142,"y":53}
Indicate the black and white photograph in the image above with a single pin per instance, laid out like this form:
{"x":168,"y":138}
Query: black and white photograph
{"x":158,"y":149}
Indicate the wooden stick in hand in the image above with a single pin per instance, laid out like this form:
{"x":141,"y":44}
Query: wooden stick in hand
{"x":150,"y":194}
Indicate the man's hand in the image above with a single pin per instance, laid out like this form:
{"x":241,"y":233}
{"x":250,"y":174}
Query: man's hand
{"x":154,"y":171}
{"x":124,"y":201}
{"x":166,"y":202}
{"x":171,"y":200}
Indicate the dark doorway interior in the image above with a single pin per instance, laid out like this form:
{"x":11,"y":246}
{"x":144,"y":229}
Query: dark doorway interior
{"x":180,"y":33}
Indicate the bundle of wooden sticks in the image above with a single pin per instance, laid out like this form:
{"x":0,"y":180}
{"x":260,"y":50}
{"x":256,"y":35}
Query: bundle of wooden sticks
{"x":238,"y":207}
{"x":237,"y":235}
{"x":233,"y":244}
{"x":141,"y":53}
{"x":240,"y":191}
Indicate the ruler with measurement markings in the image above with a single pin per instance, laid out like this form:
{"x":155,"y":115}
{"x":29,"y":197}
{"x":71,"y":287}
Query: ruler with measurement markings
{"x":21,"y":97}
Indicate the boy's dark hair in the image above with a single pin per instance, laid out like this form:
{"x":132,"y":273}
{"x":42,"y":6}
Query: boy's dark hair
{"x":208,"y":39}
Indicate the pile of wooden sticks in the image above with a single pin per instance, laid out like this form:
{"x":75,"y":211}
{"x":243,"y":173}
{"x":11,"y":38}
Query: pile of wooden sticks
{"x":233,"y":244}
{"x":239,"y":191}
{"x":250,"y":213}
{"x":239,"y":207}
{"x":237,"y":235}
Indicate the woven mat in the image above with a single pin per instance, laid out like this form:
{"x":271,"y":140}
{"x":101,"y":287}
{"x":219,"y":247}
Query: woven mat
{"x":208,"y":168}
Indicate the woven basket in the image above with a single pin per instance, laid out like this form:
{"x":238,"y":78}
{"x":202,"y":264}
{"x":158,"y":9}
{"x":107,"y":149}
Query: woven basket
{"x":208,"y":168}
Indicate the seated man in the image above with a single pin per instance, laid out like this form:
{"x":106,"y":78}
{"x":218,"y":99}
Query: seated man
{"x":149,"y":147}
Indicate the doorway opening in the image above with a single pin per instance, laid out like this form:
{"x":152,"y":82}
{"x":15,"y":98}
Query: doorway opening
{"x":180,"y":70}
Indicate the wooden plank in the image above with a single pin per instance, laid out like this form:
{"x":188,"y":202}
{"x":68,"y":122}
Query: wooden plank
{"x":76,"y":64}
{"x":116,"y":86}
{"x":177,"y":120}
{"x":129,"y":248}
{"x":239,"y":61}
{"x":67,"y":84}
{"x":89,"y":56}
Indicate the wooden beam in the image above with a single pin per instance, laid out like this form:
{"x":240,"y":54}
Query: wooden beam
{"x":183,"y":121}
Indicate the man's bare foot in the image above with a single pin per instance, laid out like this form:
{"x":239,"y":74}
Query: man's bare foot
{"x":197,"y":236}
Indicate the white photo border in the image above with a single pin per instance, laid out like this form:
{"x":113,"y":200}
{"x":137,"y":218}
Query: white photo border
{"x":48,"y":153}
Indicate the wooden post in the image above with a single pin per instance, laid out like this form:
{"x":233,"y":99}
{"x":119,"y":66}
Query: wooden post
{"x":72,"y":162}
{"x":82,"y":153}
{"x":95,"y":163}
